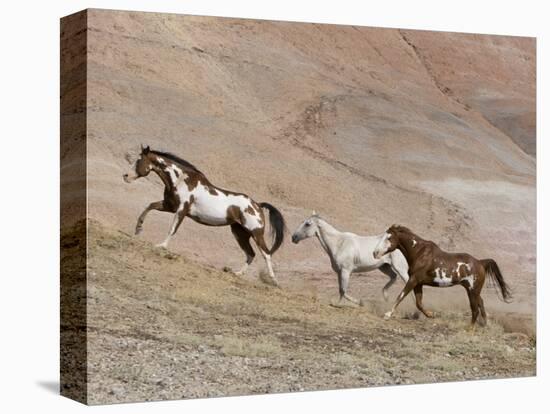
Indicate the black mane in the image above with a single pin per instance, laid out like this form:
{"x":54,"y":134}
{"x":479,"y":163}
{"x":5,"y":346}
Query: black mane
{"x":177,"y":160}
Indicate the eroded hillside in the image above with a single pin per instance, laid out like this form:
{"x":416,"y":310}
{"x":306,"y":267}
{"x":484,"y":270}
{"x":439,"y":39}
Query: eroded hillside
{"x":161,"y":326}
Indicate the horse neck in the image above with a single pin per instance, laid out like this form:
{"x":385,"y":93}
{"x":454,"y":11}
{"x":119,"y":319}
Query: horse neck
{"x":328,"y":236}
{"x":405,"y":247}
{"x":164,"y":176}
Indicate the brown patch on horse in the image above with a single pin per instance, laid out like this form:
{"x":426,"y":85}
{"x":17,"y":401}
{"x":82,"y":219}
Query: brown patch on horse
{"x":250,"y":210}
{"x":233,"y":215}
{"x":192,"y":181}
{"x":171,"y":199}
{"x":258,"y":236}
{"x":243,"y":238}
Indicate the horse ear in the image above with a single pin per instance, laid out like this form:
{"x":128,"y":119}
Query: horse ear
{"x":313,"y":213}
{"x":145,"y":150}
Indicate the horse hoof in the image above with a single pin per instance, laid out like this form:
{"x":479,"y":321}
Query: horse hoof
{"x":361,"y":302}
{"x":138,"y":230}
{"x":387,"y":316}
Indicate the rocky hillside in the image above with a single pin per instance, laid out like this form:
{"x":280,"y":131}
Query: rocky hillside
{"x":368,"y":126}
{"x":161,"y":326}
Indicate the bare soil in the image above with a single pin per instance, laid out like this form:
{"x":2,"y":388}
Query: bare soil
{"x":367,"y":126}
{"x":161,"y":326}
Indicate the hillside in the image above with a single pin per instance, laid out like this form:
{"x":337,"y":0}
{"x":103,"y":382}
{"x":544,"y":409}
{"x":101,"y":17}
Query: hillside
{"x":367,"y":126}
{"x":161,"y":326}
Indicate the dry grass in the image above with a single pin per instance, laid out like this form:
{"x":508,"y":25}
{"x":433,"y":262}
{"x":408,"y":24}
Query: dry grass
{"x":162,"y":326}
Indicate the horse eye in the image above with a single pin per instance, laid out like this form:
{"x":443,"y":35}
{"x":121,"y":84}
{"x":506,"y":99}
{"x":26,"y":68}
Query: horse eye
{"x":308,"y":224}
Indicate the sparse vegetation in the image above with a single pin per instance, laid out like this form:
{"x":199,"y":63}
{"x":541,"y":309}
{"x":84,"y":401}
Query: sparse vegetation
{"x":161,"y":326}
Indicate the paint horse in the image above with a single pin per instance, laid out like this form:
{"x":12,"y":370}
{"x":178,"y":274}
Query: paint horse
{"x":187,"y":192}
{"x":350,"y":253}
{"x":429,"y":265}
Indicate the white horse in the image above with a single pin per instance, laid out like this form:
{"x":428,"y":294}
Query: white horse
{"x":350,"y":253}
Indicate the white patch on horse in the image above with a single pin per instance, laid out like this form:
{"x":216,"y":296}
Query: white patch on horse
{"x":441,"y":277}
{"x":470,"y":279}
{"x":211,"y":208}
{"x":414,"y":242}
{"x":174,"y":173}
{"x":386,"y":244}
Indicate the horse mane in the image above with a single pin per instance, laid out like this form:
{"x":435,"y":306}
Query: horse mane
{"x":397,"y":228}
{"x":180,"y":161}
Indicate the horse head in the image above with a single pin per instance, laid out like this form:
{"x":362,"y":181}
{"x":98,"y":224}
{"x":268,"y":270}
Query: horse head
{"x":388,"y":243}
{"x":141,"y":168}
{"x":307,"y":229}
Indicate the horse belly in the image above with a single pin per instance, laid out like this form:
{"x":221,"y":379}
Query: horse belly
{"x":442,"y":277}
{"x":209,"y":210}
{"x":364,"y":268}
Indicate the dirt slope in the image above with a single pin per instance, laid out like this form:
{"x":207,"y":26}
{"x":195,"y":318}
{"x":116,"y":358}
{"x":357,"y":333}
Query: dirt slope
{"x":367,"y":126}
{"x":161,"y":326}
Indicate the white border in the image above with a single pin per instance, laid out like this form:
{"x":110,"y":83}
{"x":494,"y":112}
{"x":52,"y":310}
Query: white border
{"x":29,"y":32}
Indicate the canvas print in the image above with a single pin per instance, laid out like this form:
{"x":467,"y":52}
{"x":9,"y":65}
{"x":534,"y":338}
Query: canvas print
{"x":254,"y":207}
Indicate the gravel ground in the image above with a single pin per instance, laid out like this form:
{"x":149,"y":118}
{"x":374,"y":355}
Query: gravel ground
{"x":161,"y":326}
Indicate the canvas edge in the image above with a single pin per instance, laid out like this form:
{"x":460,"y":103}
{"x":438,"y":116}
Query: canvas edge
{"x":73,"y":207}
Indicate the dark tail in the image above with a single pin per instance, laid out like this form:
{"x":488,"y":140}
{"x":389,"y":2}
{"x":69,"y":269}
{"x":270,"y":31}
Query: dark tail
{"x":277,"y":222}
{"x":492,"y":269}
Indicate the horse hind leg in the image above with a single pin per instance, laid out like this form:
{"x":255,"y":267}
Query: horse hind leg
{"x":483,"y":320}
{"x":243,"y":239}
{"x":387,"y":270}
{"x":474,"y":306}
{"x":258,"y":237}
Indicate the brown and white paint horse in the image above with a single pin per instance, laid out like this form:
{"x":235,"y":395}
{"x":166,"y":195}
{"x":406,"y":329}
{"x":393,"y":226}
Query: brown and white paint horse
{"x":429,"y":265}
{"x":187,"y":192}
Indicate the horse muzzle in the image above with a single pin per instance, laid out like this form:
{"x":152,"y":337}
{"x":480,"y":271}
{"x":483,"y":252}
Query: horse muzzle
{"x":295,"y":239}
{"x":127,"y":178}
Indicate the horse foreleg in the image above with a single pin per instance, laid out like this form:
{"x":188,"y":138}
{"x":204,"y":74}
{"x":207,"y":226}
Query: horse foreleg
{"x":343,"y":282}
{"x":176,"y":221}
{"x":157,"y":205}
{"x":406,"y":290}
{"x":419,"y":305}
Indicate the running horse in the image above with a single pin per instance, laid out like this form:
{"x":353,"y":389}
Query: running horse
{"x":350,"y":253}
{"x":429,"y":265}
{"x":187,"y":192}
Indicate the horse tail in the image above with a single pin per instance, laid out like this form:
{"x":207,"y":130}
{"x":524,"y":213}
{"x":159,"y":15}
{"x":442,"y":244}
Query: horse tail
{"x":493,"y":270}
{"x":277,"y":222}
